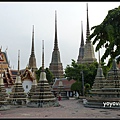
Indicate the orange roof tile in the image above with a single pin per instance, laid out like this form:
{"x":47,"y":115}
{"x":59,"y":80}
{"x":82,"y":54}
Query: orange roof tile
{"x":66,"y":84}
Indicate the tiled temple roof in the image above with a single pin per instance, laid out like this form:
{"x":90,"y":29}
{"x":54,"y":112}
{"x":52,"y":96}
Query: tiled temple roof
{"x":8,"y":78}
{"x":66,"y":84}
{"x":27,"y":74}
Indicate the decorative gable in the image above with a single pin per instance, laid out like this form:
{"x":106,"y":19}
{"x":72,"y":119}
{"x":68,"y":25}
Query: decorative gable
{"x":27,"y":75}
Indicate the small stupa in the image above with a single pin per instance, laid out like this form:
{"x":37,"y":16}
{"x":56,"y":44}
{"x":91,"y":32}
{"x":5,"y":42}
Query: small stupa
{"x":17,"y":96}
{"x":62,"y":94}
{"x":3,"y":101}
{"x":107,"y":91}
{"x":111,"y":89}
{"x":99,"y":81}
{"x":34,"y":85}
{"x":42,"y":97}
{"x":96,"y":91}
{"x":2,"y":86}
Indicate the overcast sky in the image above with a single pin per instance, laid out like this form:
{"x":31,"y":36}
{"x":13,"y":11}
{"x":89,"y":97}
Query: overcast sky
{"x":17,"y":19}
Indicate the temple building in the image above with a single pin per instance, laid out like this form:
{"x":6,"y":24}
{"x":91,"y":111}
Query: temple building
{"x":5,"y":72}
{"x":9,"y":75}
{"x":8,"y":80}
{"x":56,"y":66}
{"x":89,"y":56}
{"x":27,"y":80}
{"x":4,"y":64}
{"x":32,"y":59}
{"x":65,"y":87}
{"x":81,"y":49}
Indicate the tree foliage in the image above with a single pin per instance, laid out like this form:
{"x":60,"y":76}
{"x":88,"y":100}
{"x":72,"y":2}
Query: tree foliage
{"x":49,"y":75}
{"x":77,"y":86}
{"x":74,"y":72}
{"x":107,"y":35}
{"x":87,"y":88}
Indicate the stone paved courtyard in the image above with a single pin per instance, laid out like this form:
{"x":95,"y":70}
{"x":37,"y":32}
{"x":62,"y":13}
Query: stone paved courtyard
{"x":69,"y":109}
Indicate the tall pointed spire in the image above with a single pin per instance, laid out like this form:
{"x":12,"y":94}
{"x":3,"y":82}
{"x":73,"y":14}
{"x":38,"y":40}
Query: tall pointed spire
{"x":87,"y":31}
{"x":99,"y":59}
{"x":114,"y":66}
{"x":56,"y":66}
{"x":32,"y":59}
{"x":89,"y":56}
{"x":99,"y":70}
{"x":43,"y":73}
{"x":32,"y":49}
{"x":81,"y":49}
{"x":18,"y":62}
{"x":82,"y":39}
{"x":56,"y":42}
{"x":42,"y":55}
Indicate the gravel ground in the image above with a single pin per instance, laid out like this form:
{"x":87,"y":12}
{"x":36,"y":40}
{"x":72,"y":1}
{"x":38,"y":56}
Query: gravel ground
{"x":68,"y":109}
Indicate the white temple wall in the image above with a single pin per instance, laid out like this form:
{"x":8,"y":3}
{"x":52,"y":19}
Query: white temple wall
{"x":27,"y":84}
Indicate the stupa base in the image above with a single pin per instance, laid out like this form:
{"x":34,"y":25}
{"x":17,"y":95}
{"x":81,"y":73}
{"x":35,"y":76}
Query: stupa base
{"x":43,"y":104}
{"x":103,"y":105}
{"x":16,"y":102}
{"x":4,"y":107}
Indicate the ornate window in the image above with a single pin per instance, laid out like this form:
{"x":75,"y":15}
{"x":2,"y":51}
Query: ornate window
{"x":26,"y":86}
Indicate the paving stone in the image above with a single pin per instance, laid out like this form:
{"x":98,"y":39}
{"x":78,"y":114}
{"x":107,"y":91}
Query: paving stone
{"x":67,"y":109}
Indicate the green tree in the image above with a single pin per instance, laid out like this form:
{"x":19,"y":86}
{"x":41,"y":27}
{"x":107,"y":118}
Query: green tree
{"x":49,"y":75}
{"x":77,"y":86}
{"x":74,"y":72}
{"x":107,"y":35}
{"x":87,"y":88}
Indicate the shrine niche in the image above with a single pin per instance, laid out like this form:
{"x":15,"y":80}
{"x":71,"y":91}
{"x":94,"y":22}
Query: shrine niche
{"x":27,"y":79}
